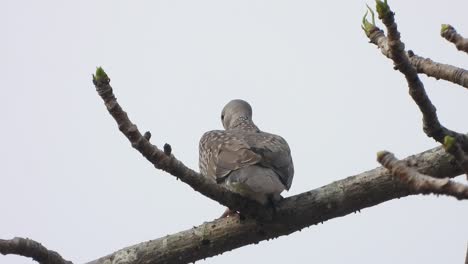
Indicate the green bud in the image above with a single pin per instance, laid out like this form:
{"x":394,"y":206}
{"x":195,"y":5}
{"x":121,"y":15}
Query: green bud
{"x":366,"y":24}
{"x":449,"y":142}
{"x":444,"y":27}
{"x":100,"y":74}
{"x":381,"y":154}
{"x":382,"y":7}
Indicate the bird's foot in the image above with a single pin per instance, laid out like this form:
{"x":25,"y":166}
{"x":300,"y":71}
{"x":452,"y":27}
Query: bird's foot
{"x":273,"y":202}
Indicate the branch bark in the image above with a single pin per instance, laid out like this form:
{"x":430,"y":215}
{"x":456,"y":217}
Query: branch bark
{"x":165,"y":161}
{"x":29,"y":248}
{"x":449,"y":33}
{"x":422,"y":65}
{"x":419,"y":182}
{"x":456,"y":143}
{"x":293,"y":214}
{"x":431,"y":124}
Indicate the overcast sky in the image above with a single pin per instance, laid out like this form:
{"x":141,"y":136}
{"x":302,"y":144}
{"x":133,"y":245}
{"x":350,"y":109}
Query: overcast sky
{"x":70,"y":179}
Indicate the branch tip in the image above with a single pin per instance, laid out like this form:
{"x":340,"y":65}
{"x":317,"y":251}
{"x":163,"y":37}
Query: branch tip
{"x":366,"y":25}
{"x":444,"y":27}
{"x":449,"y":33}
{"x":100,"y":75}
{"x":381,"y":155}
{"x":382,"y":8}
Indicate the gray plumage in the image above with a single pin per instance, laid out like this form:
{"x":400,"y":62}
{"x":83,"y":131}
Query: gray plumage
{"x":244,"y":159}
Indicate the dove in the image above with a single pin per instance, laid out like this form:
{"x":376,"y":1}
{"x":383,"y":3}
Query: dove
{"x":242,"y":158}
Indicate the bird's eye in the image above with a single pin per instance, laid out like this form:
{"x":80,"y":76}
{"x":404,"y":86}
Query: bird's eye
{"x":222,"y":117}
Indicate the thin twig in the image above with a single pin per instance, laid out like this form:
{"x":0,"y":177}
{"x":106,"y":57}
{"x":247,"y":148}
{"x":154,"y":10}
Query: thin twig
{"x":29,"y":248}
{"x":450,"y":34}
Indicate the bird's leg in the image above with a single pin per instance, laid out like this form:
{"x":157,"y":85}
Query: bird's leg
{"x":273,"y":201}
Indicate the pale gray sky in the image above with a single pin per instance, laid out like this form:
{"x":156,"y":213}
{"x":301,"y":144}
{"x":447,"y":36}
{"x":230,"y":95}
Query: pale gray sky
{"x":71,"y":180}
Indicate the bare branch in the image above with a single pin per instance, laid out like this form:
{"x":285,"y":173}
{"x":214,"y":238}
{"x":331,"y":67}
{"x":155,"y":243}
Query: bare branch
{"x":396,"y":52}
{"x":431,"y":124}
{"x":456,"y":150}
{"x":422,"y":65}
{"x":29,"y":248}
{"x":164,"y":160}
{"x":293,"y":214}
{"x":450,"y":34}
{"x":419,"y":182}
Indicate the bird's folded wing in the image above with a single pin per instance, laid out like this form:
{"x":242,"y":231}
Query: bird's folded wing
{"x":233,"y":156}
{"x":275,"y":154}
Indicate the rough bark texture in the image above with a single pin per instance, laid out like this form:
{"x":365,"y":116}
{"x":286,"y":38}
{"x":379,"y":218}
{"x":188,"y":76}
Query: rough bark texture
{"x":293,"y":214}
{"x":32,"y":249}
{"x":431,"y":124}
{"x":419,"y":182}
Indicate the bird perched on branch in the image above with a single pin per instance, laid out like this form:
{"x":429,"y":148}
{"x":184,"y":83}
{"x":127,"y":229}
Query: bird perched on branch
{"x":244,"y":159}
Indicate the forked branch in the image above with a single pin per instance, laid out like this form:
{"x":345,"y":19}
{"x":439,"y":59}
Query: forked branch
{"x":393,"y":48}
{"x":292,"y":214}
{"x":164,"y":160}
{"x":419,"y":182}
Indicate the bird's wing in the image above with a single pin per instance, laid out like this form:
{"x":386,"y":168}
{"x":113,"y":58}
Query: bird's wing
{"x":275,"y":154}
{"x":234,"y":155}
{"x":224,"y":151}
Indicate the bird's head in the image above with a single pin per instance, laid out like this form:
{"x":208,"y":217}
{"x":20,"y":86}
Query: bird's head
{"x":235,"y":113}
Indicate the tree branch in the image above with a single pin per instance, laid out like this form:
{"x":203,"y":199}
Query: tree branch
{"x":396,"y":52}
{"x":293,"y":214}
{"x":29,"y":248}
{"x":419,"y":182}
{"x":450,"y":34}
{"x":422,"y":65}
{"x":165,"y":161}
{"x":431,"y":124}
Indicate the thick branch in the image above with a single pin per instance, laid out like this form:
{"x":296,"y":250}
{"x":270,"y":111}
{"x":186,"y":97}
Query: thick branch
{"x":419,"y":182}
{"x":167,"y":162}
{"x":422,"y":65}
{"x":294,"y":213}
{"x":450,"y":34}
{"x":31,"y":249}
